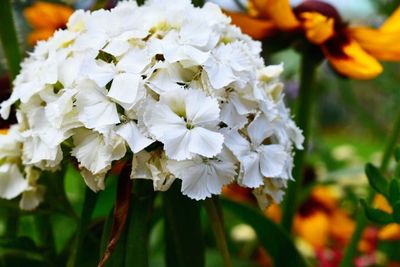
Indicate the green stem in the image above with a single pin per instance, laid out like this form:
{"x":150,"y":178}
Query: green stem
{"x":303,"y":117}
{"x":213,"y":208}
{"x":9,"y":39}
{"x":88,"y":206}
{"x":362,"y":221}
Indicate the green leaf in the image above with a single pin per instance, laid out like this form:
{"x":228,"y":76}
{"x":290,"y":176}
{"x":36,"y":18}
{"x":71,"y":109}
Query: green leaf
{"x":394,"y":191}
{"x":376,"y":179}
{"x":396,"y":212}
{"x":185,"y":242}
{"x":271,"y":236}
{"x":376,"y":215}
{"x":9,"y":38}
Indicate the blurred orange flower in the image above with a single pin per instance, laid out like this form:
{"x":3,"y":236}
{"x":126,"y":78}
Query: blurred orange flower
{"x":352,"y":51}
{"x":45,"y":18}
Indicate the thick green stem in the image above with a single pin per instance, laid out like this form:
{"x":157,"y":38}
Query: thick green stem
{"x":213,"y":208}
{"x":362,"y":221}
{"x":88,"y":206}
{"x":303,"y":117}
{"x":9,"y":39}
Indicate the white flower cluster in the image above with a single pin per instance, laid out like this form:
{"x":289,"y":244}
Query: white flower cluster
{"x":177,"y":86}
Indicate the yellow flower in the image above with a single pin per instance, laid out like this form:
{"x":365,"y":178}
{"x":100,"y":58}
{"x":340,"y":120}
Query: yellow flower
{"x":352,"y":51}
{"x":45,"y":19}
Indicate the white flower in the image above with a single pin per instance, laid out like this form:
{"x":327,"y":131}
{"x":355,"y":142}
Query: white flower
{"x":202,"y":177}
{"x":185,"y":122}
{"x":257,"y":160}
{"x":152,"y":165}
{"x":94,"y":152}
{"x":186,"y":92}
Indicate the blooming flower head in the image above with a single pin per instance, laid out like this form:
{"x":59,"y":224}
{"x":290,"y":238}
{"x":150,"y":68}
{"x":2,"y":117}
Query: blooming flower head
{"x":352,"y":51}
{"x":178,"y":87}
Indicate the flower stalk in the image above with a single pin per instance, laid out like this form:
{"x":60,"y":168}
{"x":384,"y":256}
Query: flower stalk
{"x":214,"y":212}
{"x":303,"y":115}
{"x":362,"y":221}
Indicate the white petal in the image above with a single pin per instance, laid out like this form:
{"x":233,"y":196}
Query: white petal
{"x":12,"y":183}
{"x":250,"y":165}
{"x":236,"y":143}
{"x":205,"y":142}
{"x":94,"y":181}
{"x":200,"y":109}
{"x":135,"y":139}
{"x":32,"y":198}
{"x":95,"y":109}
{"x":124,"y":88}
{"x":272,"y":160}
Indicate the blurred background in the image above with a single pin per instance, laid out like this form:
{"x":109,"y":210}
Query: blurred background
{"x":353,"y":119}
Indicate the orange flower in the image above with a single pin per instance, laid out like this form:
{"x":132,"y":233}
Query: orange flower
{"x":352,"y":51}
{"x":45,"y":19}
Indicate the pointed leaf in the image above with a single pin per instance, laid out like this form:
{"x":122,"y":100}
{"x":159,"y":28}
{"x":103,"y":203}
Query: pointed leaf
{"x":376,"y":215}
{"x":185,"y":243}
{"x":271,"y":236}
{"x":376,"y":179}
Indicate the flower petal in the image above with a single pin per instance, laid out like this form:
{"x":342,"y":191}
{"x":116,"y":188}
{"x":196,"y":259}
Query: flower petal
{"x":353,"y":61}
{"x":380,"y":44}
{"x":279,"y":11}
{"x":12,"y":183}
{"x":135,"y":139}
{"x":256,"y":28}
{"x":205,"y":142}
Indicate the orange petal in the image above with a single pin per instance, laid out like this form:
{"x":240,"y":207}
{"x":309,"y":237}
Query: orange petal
{"x":279,"y":11}
{"x":392,"y":24}
{"x":47,"y":15}
{"x":383,"y":45}
{"x":351,"y":60}
{"x":39,"y":35}
{"x":318,"y":28}
{"x":390,"y":232}
{"x":256,"y":28}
